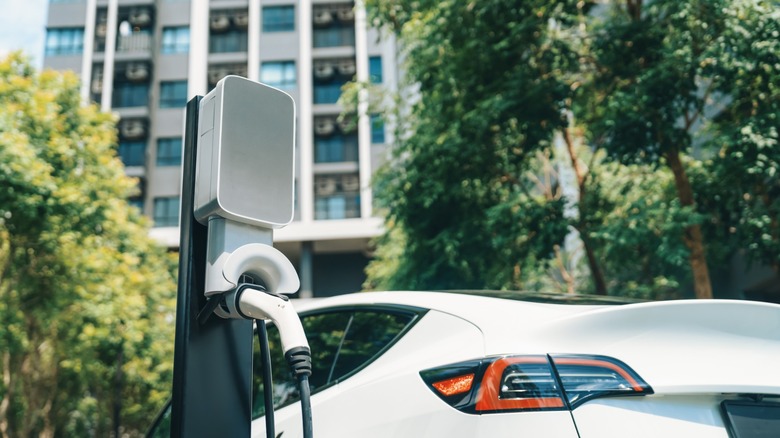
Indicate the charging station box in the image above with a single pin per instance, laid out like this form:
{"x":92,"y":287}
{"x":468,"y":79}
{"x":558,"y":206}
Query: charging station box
{"x":246,"y":154}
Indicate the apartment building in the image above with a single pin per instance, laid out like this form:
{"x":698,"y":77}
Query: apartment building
{"x":144,"y":59}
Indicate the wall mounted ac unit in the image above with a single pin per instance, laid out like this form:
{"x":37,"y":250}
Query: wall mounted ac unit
{"x":322,"y":18}
{"x":350,"y":183}
{"x":324,"y":126}
{"x":323,"y":70}
{"x":241,"y":20}
{"x":220,"y":23}
{"x":347,"y":67}
{"x":132,"y":129}
{"x":346,"y":14}
{"x":325,"y":186}
{"x":140,"y":17}
{"x":97,"y":86}
{"x":101,"y":30}
{"x":137,"y":72}
{"x":216,"y":74}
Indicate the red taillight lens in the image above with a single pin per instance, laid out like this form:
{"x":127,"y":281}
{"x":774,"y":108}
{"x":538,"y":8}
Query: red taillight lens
{"x":532,"y":383}
{"x":454,"y":385}
{"x":519,"y":383}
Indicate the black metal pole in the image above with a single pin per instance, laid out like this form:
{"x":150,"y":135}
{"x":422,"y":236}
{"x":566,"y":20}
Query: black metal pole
{"x":212,"y":364}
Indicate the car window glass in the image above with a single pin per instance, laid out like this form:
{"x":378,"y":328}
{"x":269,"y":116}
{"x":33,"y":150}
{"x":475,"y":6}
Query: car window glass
{"x":324,"y":333}
{"x":368,"y":334}
{"x":341,"y":343}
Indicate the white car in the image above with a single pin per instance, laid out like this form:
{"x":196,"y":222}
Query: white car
{"x":428,"y":364}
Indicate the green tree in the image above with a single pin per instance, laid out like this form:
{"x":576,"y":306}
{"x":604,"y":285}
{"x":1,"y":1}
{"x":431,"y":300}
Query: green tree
{"x":670,"y":76}
{"x":492,"y":89}
{"x":645,"y":97}
{"x":86,"y":298}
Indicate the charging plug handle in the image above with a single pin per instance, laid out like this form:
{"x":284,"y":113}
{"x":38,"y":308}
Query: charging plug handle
{"x":252,"y":302}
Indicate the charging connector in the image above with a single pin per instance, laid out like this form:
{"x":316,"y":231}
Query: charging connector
{"x":252,"y":301}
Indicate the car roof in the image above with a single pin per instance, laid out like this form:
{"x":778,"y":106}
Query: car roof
{"x":477,"y":307}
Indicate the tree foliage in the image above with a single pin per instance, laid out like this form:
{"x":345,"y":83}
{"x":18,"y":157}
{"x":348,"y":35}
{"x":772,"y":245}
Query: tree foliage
{"x":663,"y":107}
{"x":86,"y":298}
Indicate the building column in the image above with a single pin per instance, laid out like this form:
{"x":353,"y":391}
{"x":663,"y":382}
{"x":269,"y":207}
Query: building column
{"x":253,"y":57}
{"x":305,"y":271}
{"x":197,"y":84}
{"x":110,"y":54}
{"x":364,"y":119}
{"x":305,"y":118}
{"x":89,"y":51}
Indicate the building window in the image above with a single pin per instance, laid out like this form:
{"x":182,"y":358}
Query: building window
{"x":166,"y":212}
{"x":375,"y":69}
{"x":377,"y":129}
{"x":278,"y":18}
{"x":336,"y":196}
{"x":128,"y":94}
{"x":278,"y":74}
{"x":228,"y":42}
{"x":132,"y":153}
{"x":335,"y":36}
{"x":175,"y":40}
{"x":65,"y":41}
{"x":336,"y":149}
{"x":169,"y":151}
{"x":173,"y":94}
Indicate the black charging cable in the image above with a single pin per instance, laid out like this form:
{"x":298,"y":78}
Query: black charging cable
{"x":299,"y":359}
{"x":268,"y":382}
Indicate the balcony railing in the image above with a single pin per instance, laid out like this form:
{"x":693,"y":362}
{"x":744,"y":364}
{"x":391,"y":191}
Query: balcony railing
{"x":137,"y":42}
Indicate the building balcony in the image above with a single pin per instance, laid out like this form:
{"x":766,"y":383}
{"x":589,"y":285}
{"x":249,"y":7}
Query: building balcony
{"x":140,"y":44}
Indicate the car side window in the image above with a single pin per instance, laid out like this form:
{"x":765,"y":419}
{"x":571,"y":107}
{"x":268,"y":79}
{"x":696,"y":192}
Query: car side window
{"x":342,"y":342}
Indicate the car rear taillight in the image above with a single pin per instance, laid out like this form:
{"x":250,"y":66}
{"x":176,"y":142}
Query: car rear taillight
{"x":532,"y":382}
{"x":586,"y":377}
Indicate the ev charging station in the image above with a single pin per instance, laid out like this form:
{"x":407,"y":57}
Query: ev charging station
{"x":237,"y":187}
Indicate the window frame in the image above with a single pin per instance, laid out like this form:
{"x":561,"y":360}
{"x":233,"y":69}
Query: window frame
{"x":75,"y":41}
{"x":374,"y":64}
{"x":166,"y":160}
{"x":175,"y":46}
{"x":277,"y":26}
{"x":154,"y":211}
{"x":284,"y":69}
{"x":172,"y":101}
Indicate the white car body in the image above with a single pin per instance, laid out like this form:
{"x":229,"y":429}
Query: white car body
{"x":693,"y":354}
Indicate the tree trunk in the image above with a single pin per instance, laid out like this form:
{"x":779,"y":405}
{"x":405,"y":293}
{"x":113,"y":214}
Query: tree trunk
{"x":6,"y":402}
{"x":599,"y":281}
{"x":693,"y":237}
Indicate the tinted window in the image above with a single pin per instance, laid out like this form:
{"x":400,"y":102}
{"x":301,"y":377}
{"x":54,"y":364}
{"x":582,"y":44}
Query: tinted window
{"x":341,"y":342}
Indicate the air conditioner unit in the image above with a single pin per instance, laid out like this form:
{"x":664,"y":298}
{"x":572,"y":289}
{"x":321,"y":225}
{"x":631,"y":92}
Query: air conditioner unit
{"x":97,"y":86}
{"x":346,"y":14}
{"x":137,"y":72}
{"x":140,"y":17}
{"x":239,"y":70}
{"x":241,"y":20}
{"x":324,"y":126}
{"x":347,"y":124}
{"x":322,"y":18}
{"x":347,"y":67}
{"x":132,"y":129}
{"x":216,"y":74}
{"x":350,"y":183}
{"x":220,"y":23}
{"x":323,"y":70}
{"x":325,"y":186}
{"x":101,"y":30}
